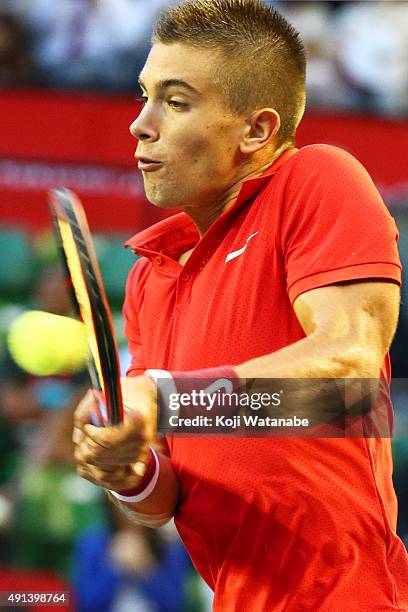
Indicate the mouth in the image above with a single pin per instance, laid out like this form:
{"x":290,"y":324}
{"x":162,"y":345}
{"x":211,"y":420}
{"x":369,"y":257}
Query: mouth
{"x":146,"y":164}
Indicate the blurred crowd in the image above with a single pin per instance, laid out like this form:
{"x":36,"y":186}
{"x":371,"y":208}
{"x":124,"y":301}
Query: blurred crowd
{"x":58,"y":528}
{"x":358,"y":51}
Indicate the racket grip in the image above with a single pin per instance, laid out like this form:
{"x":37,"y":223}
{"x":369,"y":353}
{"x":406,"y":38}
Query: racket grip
{"x":100,"y":415}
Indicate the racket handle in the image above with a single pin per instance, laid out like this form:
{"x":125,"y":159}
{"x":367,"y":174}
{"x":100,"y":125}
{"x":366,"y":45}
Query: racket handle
{"x":100,"y":415}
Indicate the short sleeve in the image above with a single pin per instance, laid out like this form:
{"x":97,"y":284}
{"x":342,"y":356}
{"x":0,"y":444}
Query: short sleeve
{"x":131,"y":308}
{"x":336,"y":228}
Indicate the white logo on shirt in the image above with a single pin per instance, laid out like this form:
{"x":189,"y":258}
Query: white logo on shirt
{"x":235,"y":254}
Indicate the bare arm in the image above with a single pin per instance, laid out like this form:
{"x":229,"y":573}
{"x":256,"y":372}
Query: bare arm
{"x":349,"y":329}
{"x":335,"y":369}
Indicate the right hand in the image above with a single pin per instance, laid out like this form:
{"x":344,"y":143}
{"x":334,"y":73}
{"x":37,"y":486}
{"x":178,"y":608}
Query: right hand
{"x":116,"y":457}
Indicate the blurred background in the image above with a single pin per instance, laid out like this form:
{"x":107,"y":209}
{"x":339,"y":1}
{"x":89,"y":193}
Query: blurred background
{"x":68,"y":72}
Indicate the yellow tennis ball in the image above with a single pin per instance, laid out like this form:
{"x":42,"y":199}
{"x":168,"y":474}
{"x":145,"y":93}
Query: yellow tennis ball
{"x":46,"y":344}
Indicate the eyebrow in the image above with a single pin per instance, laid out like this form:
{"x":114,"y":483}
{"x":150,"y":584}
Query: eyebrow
{"x":165,"y":83}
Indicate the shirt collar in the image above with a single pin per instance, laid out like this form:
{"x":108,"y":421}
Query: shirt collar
{"x":178,"y":233}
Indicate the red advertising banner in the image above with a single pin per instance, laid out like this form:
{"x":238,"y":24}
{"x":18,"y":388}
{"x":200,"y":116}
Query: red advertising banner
{"x":82,"y":141}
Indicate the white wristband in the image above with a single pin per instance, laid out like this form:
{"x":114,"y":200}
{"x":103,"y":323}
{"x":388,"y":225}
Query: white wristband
{"x":166,"y":387}
{"x":146,"y":491}
{"x":156,"y":374}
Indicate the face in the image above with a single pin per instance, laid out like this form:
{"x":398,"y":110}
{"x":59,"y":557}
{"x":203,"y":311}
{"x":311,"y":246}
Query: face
{"x":188,"y":149}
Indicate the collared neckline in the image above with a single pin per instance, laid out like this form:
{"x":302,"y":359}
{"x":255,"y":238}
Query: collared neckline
{"x":178,"y":233}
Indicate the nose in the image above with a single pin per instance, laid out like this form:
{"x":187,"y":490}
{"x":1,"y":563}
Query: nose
{"x":142,"y":128}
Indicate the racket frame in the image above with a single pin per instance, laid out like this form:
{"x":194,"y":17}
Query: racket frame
{"x":66,"y":206}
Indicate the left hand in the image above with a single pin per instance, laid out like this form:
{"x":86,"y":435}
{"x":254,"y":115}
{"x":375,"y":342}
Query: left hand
{"x":116,"y":457}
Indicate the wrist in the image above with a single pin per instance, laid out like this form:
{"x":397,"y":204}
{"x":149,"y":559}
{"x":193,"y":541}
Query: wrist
{"x":176,"y":383}
{"x":145,"y":486}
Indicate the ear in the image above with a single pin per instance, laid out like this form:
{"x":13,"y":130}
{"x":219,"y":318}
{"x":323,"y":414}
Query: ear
{"x":260,"y":129}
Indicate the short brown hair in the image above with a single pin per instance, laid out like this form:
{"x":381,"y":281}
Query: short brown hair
{"x":265,"y":60}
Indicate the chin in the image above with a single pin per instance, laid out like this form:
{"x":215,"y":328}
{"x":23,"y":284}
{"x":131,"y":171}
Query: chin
{"x":161,"y":200}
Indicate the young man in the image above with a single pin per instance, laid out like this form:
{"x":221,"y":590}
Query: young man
{"x":283,"y":264}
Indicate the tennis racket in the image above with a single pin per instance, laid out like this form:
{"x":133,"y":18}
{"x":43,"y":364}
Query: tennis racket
{"x":89,"y":300}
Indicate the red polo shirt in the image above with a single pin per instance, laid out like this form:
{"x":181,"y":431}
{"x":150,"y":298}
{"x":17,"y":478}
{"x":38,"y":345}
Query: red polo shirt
{"x":272,"y":524}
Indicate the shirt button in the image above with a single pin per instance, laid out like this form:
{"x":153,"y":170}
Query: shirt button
{"x":185,"y":277}
{"x":159,"y":261}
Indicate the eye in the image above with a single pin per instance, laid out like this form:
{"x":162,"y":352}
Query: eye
{"x":141,"y":99}
{"x":177,"y":104}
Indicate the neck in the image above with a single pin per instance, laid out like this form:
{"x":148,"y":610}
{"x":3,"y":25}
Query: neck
{"x":205,"y":216}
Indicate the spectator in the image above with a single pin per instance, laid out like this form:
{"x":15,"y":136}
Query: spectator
{"x":15,"y":60}
{"x":314,"y":21}
{"x":372,"y":43}
{"x":26,"y":399}
{"x":49,"y":505}
{"x":91,"y":43}
{"x":129,"y":567}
